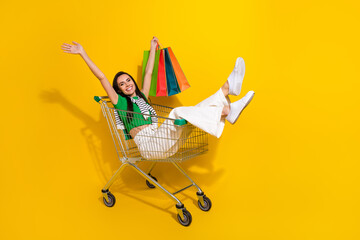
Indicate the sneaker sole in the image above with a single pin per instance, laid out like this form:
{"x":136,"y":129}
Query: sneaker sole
{"x":240,"y":63}
{"x":247,"y":103}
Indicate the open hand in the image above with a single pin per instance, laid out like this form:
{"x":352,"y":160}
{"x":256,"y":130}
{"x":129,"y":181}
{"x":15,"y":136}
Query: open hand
{"x":73,"y":49}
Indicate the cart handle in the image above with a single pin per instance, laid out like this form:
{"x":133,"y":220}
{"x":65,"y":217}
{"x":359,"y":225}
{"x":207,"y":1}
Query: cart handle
{"x":97,"y":98}
{"x":180,"y":122}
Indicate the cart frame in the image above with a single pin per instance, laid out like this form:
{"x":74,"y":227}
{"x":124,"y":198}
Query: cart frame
{"x":129,"y":155}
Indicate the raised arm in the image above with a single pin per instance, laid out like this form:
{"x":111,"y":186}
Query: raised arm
{"x":149,"y":68}
{"x":78,"y":49}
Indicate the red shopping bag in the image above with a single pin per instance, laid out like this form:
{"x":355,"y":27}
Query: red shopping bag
{"x":161,"y":89}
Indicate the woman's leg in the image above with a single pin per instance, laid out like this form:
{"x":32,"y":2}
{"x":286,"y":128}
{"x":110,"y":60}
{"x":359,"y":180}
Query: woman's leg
{"x":225,"y":89}
{"x":207,"y":115}
{"x":225,"y":111}
{"x":162,"y":142}
{"x":154,"y":143}
{"x":210,"y":114}
{"x":233,"y":111}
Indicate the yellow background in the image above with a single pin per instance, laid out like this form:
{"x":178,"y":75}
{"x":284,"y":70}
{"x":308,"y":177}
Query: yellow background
{"x":288,"y":169}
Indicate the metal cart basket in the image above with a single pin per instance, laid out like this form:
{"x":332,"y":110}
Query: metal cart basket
{"x":175,"y":141}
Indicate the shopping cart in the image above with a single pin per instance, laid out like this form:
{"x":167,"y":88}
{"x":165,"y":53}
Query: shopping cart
{"x":186,"y":140}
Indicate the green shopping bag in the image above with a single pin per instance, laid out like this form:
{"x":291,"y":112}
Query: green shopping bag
{"x":154,"y":75}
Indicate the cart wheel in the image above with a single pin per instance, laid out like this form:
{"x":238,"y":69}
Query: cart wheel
{"x":111,"y":200}
{"x":187,"y":218}
{"x":207,"y":203}
{"x":149,"y":184}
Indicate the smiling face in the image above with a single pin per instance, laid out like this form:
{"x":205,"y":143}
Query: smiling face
{"x":126,"y":85}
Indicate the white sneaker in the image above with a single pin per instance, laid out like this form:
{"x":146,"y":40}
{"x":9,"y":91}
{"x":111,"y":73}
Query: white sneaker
{"x":237,"y":107}
{"x":236,"y":77}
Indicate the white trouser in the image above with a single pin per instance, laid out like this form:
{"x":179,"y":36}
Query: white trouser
{"x":162,"y":142}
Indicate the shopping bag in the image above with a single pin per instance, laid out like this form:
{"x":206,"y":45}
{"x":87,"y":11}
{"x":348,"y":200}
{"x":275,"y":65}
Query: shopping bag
{"x":171,"y":82}
{"x":153,"y":85}
{"x":161,"y":88}
{"x":180,"y":76}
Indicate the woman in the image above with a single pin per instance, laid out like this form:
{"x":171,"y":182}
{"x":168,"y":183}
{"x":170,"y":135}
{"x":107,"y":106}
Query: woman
{"x":209,"y":115}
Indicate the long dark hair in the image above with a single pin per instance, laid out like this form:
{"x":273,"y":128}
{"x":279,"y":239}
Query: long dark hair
{"x":130,"y":107}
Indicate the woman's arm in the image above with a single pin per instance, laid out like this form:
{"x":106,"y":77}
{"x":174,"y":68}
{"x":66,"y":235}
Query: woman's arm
{"x":149,"y":68}
{"x":78,"y":49}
